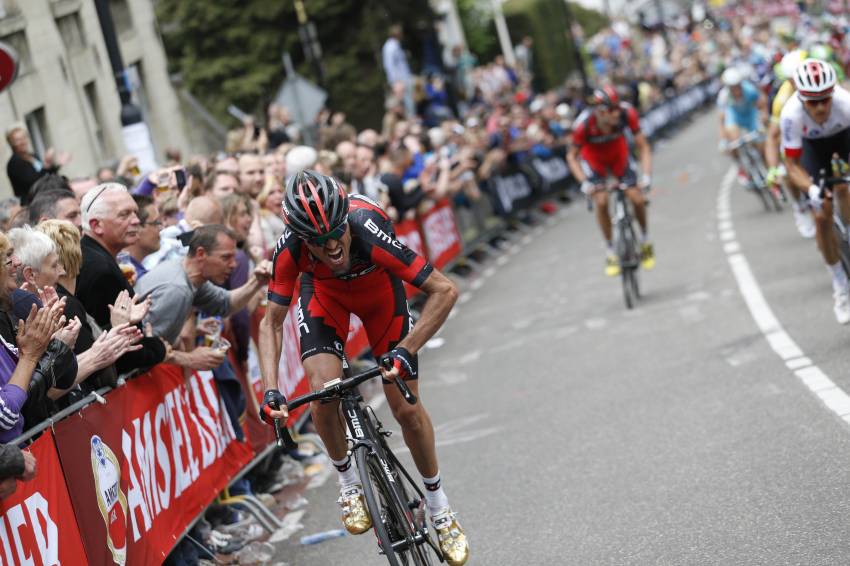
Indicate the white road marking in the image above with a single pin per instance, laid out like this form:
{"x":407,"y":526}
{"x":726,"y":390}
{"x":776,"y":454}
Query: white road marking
{"x":833,"y":397}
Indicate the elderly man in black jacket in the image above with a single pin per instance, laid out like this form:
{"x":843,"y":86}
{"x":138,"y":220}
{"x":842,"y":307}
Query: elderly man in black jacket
{"x":111,"y":223}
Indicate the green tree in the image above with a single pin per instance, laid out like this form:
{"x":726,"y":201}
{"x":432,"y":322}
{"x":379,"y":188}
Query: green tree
{"x":546,"y":22}
{"x":477,"y":19}
{"x":230,"y":52}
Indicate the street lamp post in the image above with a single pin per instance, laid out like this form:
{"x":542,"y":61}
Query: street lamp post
{"x":502,"y":32}
{"x":579,"y":60}
{"x":134,"y":131}
{"x":310,"y":41}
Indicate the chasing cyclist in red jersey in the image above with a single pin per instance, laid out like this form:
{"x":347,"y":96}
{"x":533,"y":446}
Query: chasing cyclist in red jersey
{"x":600,"y":149}
{"x":350,"y":262}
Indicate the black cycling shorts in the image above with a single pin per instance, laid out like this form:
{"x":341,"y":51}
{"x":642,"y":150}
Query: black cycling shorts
{"x":817,"y":153}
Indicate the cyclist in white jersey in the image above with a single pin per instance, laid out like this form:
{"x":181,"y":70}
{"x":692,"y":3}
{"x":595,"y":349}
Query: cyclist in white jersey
{"x":815,"y":124}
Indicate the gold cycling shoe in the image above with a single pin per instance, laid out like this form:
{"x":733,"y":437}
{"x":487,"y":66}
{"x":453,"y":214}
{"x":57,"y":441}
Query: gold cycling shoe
{"x":612,"y":265}
{"x":355,"y":514}
{"x":453,"y":543}
{"x":647,"y":256}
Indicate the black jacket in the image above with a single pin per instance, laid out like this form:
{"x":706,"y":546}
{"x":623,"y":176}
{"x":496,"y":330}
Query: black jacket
{"x":98,"y":284}
{"x":22,"y":175}
{"x":103,"y":377}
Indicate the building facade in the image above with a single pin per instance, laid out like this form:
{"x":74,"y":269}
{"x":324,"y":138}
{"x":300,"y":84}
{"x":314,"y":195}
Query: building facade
{"x":65,"y":92}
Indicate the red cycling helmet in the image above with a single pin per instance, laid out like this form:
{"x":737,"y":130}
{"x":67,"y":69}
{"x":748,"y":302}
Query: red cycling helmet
{"x":605,"y":96}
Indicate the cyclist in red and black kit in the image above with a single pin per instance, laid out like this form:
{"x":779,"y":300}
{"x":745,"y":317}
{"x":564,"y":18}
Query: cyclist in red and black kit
{"x":351,"y":262}
{"x":600,"y":149}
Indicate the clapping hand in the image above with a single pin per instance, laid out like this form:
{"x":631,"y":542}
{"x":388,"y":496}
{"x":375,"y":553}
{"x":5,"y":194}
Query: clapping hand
{"x":35,"y":333}
{"x":69,"y":333}
{"x":128,"y":309}
{"x":111,"y":345}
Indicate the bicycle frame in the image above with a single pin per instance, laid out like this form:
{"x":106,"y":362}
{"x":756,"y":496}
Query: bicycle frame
{"x":364,"y":430}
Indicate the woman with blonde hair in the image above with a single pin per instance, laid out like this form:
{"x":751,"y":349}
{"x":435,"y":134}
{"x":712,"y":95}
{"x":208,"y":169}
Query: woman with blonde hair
{"x":95,"y":356}
{"x":271,"y":221}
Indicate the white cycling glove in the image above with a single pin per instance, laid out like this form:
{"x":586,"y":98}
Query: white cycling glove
{"x":587,"y":187}
{"x":814,"y":194}
{"x":644,"y":182}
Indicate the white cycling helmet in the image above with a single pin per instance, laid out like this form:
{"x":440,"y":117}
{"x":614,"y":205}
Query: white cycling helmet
{"x":790,"y":62}
{"x":814,"y":79}
{"x":732,"y":77}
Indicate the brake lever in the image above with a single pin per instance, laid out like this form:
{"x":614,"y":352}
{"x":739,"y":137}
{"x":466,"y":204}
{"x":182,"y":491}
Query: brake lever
{"x":283,"y":438}
{"x":402,"y":386}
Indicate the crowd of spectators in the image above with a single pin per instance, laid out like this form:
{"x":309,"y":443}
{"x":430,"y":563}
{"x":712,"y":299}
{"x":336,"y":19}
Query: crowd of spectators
{"x":116,"y":273}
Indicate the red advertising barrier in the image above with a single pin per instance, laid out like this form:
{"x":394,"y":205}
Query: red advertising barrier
{"x":141,"y":467}
{"x":442,"y":238}
{"x":37,"y":525}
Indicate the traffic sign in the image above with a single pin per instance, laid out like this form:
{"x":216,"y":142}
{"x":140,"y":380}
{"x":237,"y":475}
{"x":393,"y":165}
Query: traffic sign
{"x":8,"y":65}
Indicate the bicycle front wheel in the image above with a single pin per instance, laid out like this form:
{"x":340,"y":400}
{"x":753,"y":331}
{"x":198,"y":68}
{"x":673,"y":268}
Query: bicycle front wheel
{"x":391,"y":519}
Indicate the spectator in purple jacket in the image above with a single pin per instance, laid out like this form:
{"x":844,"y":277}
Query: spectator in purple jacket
{"x":19,"y":360}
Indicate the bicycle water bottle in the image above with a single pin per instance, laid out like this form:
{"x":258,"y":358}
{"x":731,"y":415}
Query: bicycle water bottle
{"x":323,"y":536}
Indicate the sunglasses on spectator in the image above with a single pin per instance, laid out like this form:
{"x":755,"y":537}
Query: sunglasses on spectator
{"x":335,"y":234}
{"x":156,"y":223}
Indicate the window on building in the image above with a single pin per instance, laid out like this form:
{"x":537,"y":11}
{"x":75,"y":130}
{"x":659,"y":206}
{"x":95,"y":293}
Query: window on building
{"x":9,"y":8}
{"x":121,"y":16}
{"x":93,"y":107}
{"x":71,"y":30}
{"x":36,"y":122}
{"x":18,"y":42}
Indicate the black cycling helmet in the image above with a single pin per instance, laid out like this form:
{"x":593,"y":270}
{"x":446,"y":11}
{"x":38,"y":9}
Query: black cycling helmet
{"x":605,"y":96}
{"x":314,"y":204}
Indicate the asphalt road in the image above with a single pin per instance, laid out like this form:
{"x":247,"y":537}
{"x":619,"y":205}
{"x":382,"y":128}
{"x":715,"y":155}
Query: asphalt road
{"x":572,"y":431}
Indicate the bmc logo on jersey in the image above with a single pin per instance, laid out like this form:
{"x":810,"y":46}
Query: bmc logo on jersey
{"x":383,"y":236}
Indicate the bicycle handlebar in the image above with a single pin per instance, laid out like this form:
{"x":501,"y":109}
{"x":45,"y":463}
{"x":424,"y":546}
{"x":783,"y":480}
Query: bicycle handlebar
{"x":331,"y":390}
{"x":841,"y":176}
{"x":747,"y":138}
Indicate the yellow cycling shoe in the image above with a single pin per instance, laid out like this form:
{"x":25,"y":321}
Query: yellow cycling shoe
{"x":612,"y":265}
{"x":450,"y":535}
{"x":355,"y":514}
{"x":647,"y":256}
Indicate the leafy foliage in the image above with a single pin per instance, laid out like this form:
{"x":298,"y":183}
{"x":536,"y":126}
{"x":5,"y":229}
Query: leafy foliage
{"x":477,"y":20}
{"x":546,"y":21}
{"x":229,"y":51}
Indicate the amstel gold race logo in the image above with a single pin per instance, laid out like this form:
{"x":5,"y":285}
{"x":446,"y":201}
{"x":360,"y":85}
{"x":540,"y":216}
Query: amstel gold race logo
{"x":110,"y":498}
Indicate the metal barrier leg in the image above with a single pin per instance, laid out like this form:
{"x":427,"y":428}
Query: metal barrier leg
{"x":255,"y":507}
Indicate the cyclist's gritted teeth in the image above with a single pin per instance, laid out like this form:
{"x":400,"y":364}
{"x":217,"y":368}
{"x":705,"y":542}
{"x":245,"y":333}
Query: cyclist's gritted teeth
{"x":334,"y":254}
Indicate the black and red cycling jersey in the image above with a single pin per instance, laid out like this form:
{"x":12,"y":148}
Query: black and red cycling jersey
{"x":375,"y":251}
{"x":606,"y":152}
{"x":372,"y":288}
